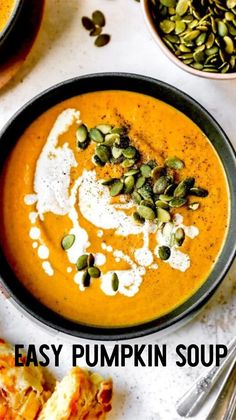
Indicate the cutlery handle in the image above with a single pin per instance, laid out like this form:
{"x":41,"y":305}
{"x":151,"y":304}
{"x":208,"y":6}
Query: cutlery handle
{"x":191,"y":402}
{"x":225,"y":405}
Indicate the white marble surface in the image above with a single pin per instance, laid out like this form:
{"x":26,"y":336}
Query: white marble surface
{"x":63,"y":50}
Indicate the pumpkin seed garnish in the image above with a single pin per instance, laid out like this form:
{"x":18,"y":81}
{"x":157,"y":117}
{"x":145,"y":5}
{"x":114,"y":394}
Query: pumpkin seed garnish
{"x":174,"y":163}
{"x":138,"y":219}
{"x":188,"y":25}
{"x":177,"y":202}
{"x":130,"y":152}
{"x":102,"y":40}
{"x":116,"y":188}
{"x":103,"y":152}
{"x":82,"y":262}
{"x":179,"y":236}
{"x":94,"y":272}
{"x":98,"y":18}
{"x":146,"y":171}
{"x":87,"y":23}
{"x":104,"y":128}
{"x":140,"y":182}
{"x":164,"y":252}
{"x":82,"y":133}
{"x":67,"y":241}
{"x":129,"y":184}
{"x":198,"y":192}
{"x":160,"y":185}
{"x":86,"y":279}
{"x":115,"y":282}
{"x":163,"y":215}
{"x":96,"y":135}
{"x":90,"y":260}
{"x":146,"y":212}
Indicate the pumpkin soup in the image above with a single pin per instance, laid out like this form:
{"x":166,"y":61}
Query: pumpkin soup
{"x":6,"y":9}
{"x":114,"y":209}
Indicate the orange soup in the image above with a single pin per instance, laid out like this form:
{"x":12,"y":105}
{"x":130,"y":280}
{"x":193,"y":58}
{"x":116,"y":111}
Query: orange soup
{"x":115,"y":207}
{"x":6,"y":9}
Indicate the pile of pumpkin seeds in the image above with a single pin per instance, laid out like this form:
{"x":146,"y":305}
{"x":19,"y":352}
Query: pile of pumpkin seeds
{"x":201,"y":33}
{"x":95,"y":26}
{"x":153,"y":187}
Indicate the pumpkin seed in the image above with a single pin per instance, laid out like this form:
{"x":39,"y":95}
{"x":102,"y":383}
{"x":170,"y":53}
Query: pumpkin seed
{"x":129,"y":184}
{"x":146,"y":171}
{"x":198,"y":192}
{"x":146,"y":212}
{"x":174,"y":163}
{"x":131,"y":172}
{"x":98,"y":161}
{"x":170,"y":189}
{"x":222,"y":28}
{"x":160,"y":185}
{"x":130,"y":152}
{"x":96,"y":135}
{"x":94,"y":272}
{"x":108,"y":182}
{"x":165,"y":197}
{"x":183,"y":187}
{"x":104,"y":128}
{"x":168,"y":3}
{"x":152,"y":164}
{"x":146,"y":191}
{"x":182,"y":7}
{"x":103,"y":152}
{"x":86,"y":279}
{"x":98,"y":18}
{"x":67,"y":241}
{"x":140,"y":182}
{"x":90,"y":260}
{"x":115,"y":282}
{"x":162,"y":204}
{"x":179,"y":236}
{"x":127,"y":163}
{"x":116,"y":188}
{"x":95,"y":31}
{"x":177,"y":202}
{"x":164,"y":252}
{"x":136,"y":197}
{"x":193,"y":206}
{"x":82,"y":133}
{"x":116,"y":153}
{"x":84,"y":144}
{"x":102,"y":40}
{"x":82,"y":262}
{"x":157,"y":172}
{"x":167,"y":26}
{"x":138,"y":219}
{"x":229,"y":45}
{"x":163,"y":215}
{"x":87,"y":23}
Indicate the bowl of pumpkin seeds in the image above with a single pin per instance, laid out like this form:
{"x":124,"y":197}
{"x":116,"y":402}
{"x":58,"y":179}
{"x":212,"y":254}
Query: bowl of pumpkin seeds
{"x":197,"y":35}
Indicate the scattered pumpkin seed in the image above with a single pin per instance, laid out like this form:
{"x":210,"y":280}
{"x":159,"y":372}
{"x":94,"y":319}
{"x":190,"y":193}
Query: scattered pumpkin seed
{"x":138,"y":219}
{"x":131,"y":172}
{"x":82,"y":262}
{"x":146,"y":212}
{"x":198,"y":192}
{"x":174,"y":163}
{"x":160,"y":185}
{"x":98,"y":18}
{"x":164,"y":252}
{"x":163,"y":215}
{"x":87,"y":23}
{"x":86,"y":279}
{"x":104,"y":128}
{"x":103,"y":152}
{"x":177,"y":202}
{"x":127,"y":163}
{"x":98,"y":161}
{"x":90,"y":260}
{"x":116,"y":188}
{"x":129,"y":184}
{"x":179,"y":236}
{"x":94,"y":272}
{"x":140,"y":182}
{"x":157,"y":172}
{"x":95,"y":31}
{"x":81,"y":133}
{"x":67,"y":241}
{"x":96,"y":135}
{"x":130,"y":152}
{"x":102,"y":40}
{"x":136,"y":197}
{"x":146,"y":170}
{"x":115,"y":282}
{"x":162,"y":204}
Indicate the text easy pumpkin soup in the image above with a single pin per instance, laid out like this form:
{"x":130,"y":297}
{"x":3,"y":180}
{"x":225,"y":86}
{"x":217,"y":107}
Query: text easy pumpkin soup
{"x":115,"y":208}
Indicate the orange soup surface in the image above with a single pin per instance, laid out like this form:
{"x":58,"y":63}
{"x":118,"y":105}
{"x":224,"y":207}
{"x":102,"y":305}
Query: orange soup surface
{"x":6,"y":9}
{"x":51,"y":188}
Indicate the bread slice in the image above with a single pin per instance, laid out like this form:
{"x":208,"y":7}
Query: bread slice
{"x":23,"y":390}
{"x":80,"y":395}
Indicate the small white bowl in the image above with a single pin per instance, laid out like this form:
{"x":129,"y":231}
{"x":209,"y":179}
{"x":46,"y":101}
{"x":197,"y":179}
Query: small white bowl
{"x":152,"y":27}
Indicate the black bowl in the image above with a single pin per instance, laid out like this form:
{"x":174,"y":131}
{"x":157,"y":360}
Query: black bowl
{"x":185,"y":104}
{"x":12,"y":22}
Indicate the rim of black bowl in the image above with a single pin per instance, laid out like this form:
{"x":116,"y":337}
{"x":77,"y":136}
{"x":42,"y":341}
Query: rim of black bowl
{"x":179,"y":100}
{"x":4,"y":34}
